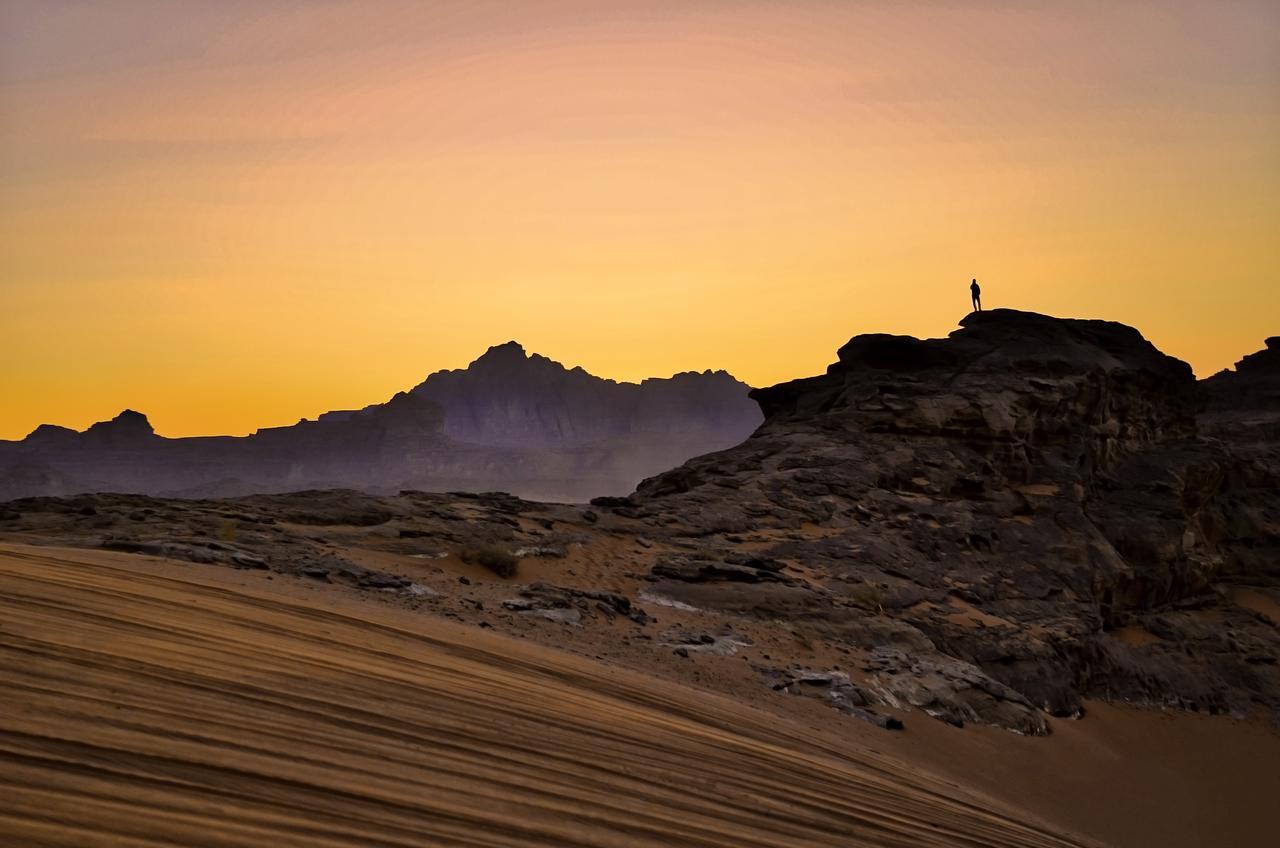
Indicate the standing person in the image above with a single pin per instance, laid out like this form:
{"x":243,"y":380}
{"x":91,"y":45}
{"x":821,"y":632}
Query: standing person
{"x":976,"y":293}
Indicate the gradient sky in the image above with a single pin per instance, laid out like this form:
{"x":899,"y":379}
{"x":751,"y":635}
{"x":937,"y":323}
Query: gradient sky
{"x":234,"y":214}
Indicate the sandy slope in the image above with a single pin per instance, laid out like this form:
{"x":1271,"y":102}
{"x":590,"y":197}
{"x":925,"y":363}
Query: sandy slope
{"x":150,"y":703}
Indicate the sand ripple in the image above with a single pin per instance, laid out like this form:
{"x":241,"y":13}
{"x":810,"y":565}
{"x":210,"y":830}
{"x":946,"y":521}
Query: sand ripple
{"x":150,"y":706}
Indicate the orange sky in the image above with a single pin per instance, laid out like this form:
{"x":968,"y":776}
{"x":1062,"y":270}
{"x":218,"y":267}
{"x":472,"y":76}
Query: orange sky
{"x":236,"y":214}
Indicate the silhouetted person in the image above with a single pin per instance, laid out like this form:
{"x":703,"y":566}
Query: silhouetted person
{"x":976,"y":293}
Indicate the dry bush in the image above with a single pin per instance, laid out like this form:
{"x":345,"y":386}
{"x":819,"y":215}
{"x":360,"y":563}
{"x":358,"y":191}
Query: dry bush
{"x":868,"y":595}
{"x":228,"y":529}
{"x":498,"y":560}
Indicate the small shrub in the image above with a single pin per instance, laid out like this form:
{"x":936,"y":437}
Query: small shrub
{"x":501,"y":562}
{"x":228,"y":530}
{"x":868,"y":595}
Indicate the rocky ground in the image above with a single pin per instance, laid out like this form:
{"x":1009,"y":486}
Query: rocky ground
{"x":989,"y":528}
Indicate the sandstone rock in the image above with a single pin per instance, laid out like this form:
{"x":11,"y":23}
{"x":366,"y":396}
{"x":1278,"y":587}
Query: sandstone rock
{"x":544,"y":597}
{"x":244,"y":559}
{"x":838,"y":690}
{"x":367,"y":578}
{"x":724,"y":644}
{"x":950,"y":690}
{"x":1008,"y":495}
{"x":699,"y":571}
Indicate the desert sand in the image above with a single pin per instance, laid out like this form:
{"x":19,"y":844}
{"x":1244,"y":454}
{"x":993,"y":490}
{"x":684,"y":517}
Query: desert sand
{"x":149,"y":702}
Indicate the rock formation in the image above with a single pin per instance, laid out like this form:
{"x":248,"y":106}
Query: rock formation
{"x":1031,"y":496}
{"x":1242,"y":413}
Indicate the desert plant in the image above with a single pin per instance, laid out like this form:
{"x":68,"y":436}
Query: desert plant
{"x":228,"y":530}
{"x":868,"y":595}
{"x":498,"y":560}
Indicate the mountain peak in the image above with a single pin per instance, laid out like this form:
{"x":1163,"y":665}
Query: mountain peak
{"x":134,"y":421}
{"x":127,"y":426}
{"x":51,"y":433}
{"x":511,"y":351}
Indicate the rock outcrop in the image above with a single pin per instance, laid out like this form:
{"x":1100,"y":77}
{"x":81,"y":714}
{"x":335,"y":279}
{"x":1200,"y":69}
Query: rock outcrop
{"x":511,"y":422}
{"x":1242,"y":413}
{"x":1031,"y":497}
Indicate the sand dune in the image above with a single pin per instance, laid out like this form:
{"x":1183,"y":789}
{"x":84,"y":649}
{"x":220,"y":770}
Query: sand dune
{"x":148,"y":703}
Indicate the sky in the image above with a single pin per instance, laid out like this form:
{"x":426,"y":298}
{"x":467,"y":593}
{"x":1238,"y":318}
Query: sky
{"x":238,"y":214}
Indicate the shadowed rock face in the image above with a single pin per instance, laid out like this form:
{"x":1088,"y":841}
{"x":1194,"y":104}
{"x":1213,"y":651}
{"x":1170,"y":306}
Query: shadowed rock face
{"x":1243,"y":406}
{"x":510,"y":422}
{"x":1031,"y":496}
{"x":1242,"y":412}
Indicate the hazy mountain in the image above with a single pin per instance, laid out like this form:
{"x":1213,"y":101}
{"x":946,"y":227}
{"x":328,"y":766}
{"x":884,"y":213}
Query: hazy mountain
{"x":508,"y":422}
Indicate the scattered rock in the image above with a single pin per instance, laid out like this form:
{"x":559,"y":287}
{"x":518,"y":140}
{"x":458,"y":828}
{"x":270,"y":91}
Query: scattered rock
{"x":692,"y":570}
{"x":243,"y":559}
{"x":366,"y":578}
{"x":837,"y":689}
{"x":722,"y":645}
{"x":950,"y":690}
{"x":541,"y":551}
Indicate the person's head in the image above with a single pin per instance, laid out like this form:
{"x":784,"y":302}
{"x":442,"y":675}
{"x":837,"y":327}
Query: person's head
{"x":975,"y":281}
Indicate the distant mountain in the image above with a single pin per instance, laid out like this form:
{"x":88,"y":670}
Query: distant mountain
{"x":508,"y":398}
{"x":510,"y":421}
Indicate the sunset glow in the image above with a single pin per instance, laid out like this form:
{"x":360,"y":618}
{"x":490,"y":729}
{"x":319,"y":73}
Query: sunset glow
{"x":233,"y":215}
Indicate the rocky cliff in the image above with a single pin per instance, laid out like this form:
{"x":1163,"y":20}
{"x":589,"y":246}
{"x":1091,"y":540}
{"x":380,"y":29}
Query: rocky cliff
{"x":1029,"y":508}
{"x":1242,"y":414}
{"x":509,"y":422}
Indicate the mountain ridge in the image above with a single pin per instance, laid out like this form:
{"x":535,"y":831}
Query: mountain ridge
{"x":509,"y":420}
